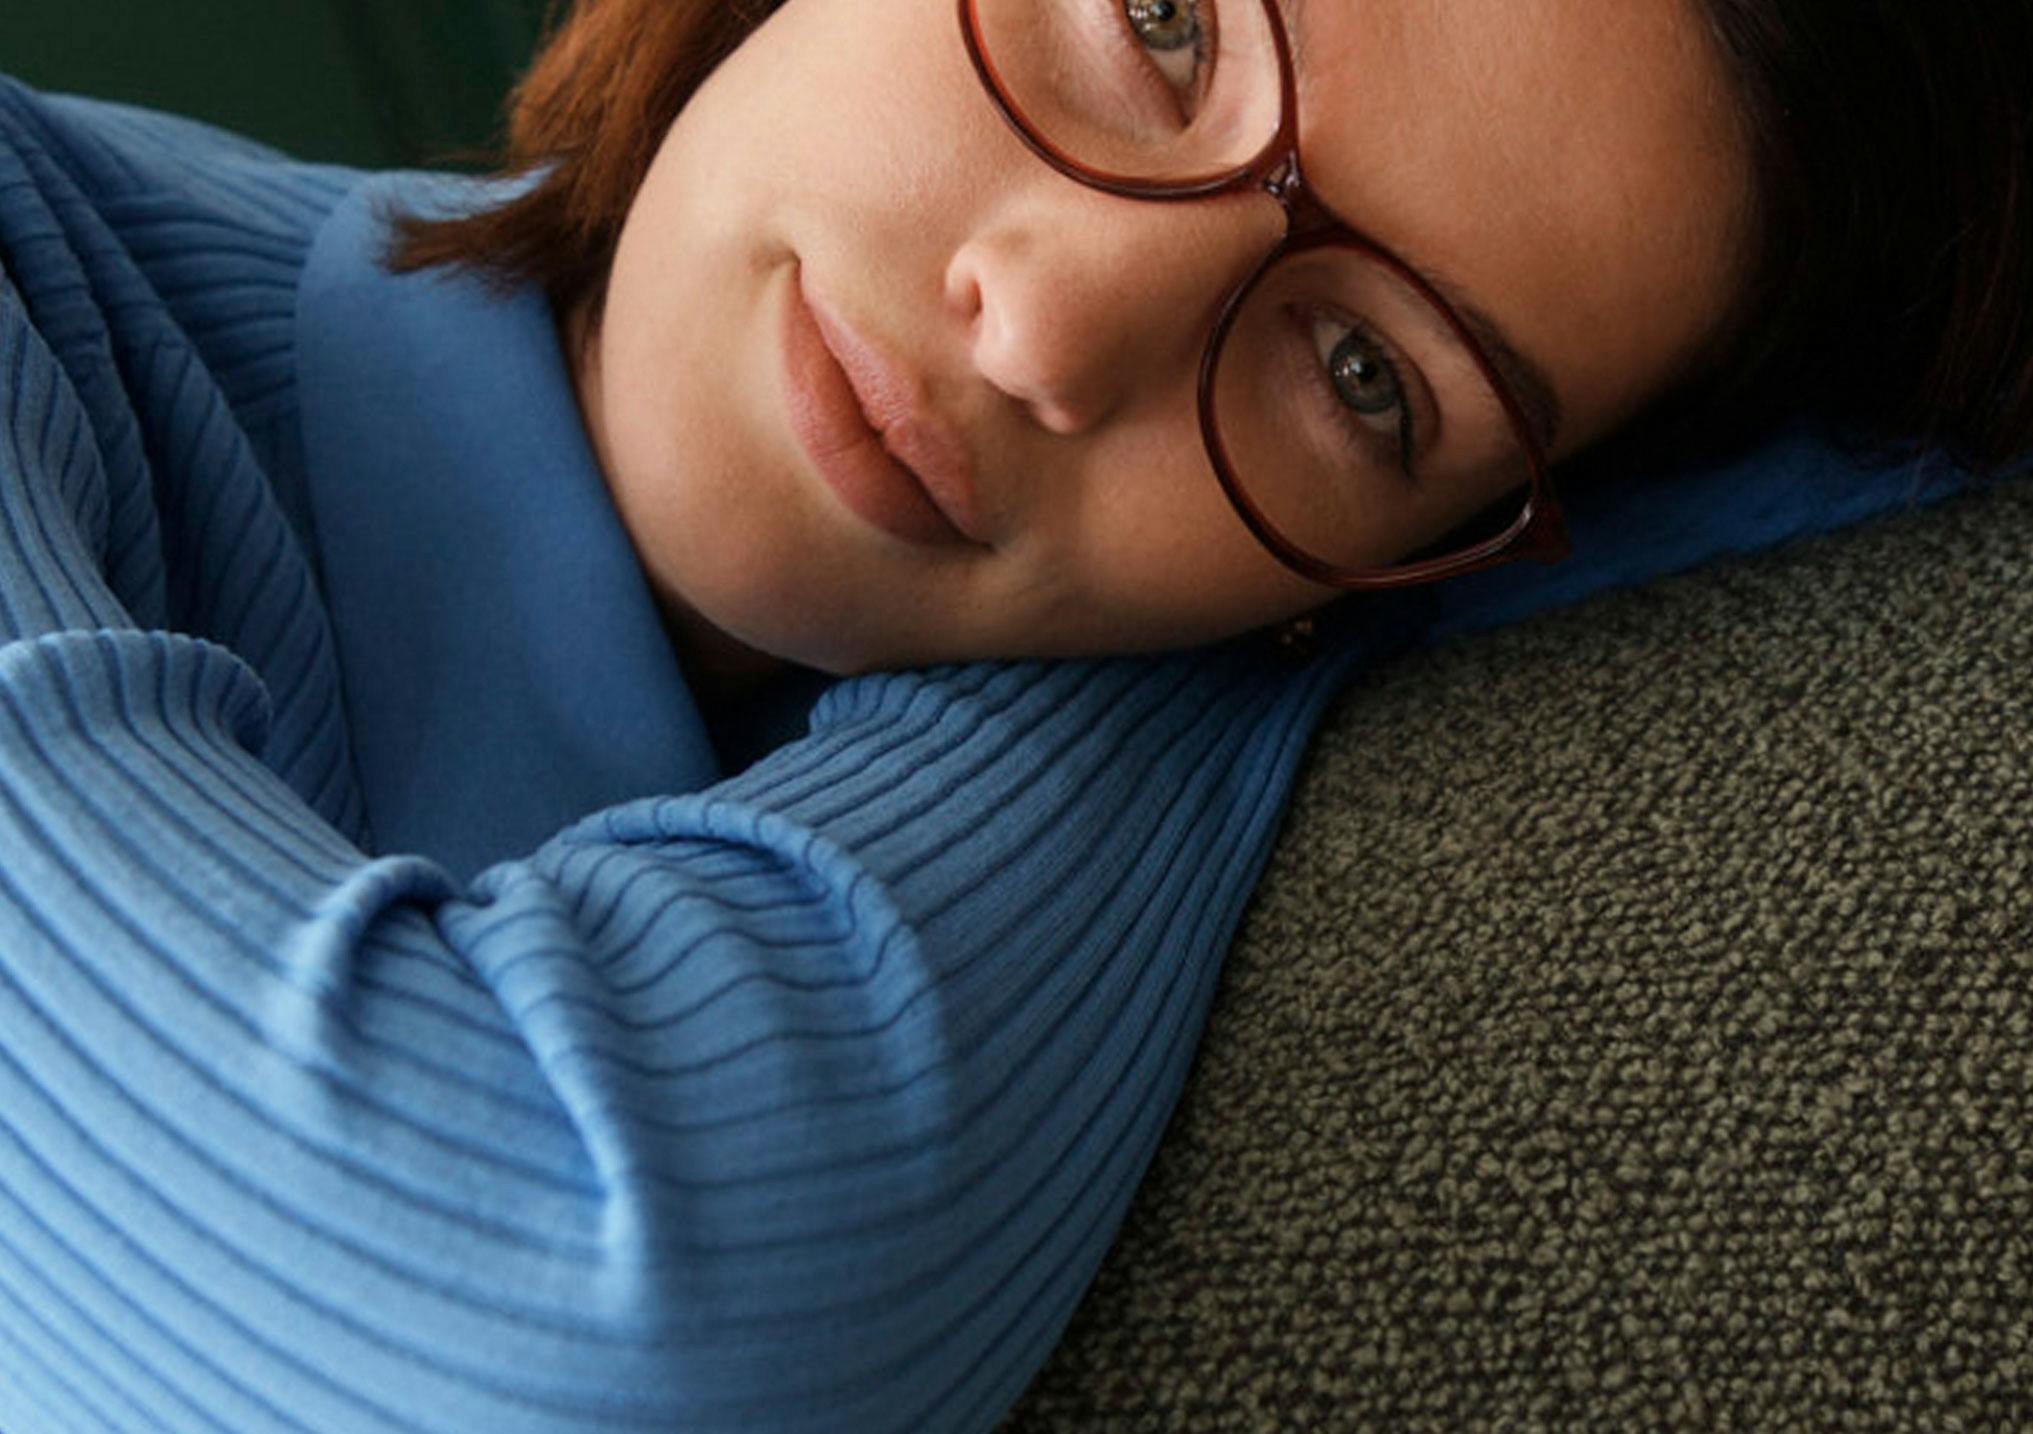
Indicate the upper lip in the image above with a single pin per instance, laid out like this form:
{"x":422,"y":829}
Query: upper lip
{"x":894,"y":402}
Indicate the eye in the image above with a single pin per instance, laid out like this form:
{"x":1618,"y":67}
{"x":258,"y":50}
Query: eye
{"x":1173,"y":38}
{"x":1360,"y":377}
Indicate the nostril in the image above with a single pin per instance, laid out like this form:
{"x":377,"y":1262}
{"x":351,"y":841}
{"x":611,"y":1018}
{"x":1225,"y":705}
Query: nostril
{"x":1056,"y":371}
{"x":963,"y":291}
{"x":1060,"y":417}
{"x":1043,"y":333}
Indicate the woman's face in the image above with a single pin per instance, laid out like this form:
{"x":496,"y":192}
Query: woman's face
{"x":841,"y":190}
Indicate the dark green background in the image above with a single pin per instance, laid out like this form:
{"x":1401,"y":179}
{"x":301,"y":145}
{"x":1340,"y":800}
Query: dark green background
{"x":367,"y":82}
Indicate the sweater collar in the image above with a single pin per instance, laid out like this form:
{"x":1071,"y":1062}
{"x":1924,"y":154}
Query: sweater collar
{"x":504,"y":663}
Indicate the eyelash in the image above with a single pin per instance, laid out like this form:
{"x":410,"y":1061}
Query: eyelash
{"x":1346,"y":419}
{"x":1138,"y":55}
{"x":1205,"y":27}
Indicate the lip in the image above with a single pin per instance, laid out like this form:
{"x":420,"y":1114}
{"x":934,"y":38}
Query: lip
{"x":863,"y":421}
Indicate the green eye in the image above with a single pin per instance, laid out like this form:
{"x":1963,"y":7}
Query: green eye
{"x":1362,"y":377}
{"x":1164,"y":24}
{"x":1361,"y":387}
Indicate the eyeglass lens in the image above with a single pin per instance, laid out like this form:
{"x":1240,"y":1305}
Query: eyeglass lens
{"x":1360,"y":426}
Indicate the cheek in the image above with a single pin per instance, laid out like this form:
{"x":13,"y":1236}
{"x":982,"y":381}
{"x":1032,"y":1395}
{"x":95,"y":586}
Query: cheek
{"x":689,"y":461}
{"x":1168,"y":558}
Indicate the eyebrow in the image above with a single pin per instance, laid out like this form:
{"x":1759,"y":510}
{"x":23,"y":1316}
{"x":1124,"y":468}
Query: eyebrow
{"x":1526,"y":380}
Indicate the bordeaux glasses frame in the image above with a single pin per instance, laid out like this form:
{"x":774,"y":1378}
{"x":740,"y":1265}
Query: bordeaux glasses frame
{"x":1539,"y":530}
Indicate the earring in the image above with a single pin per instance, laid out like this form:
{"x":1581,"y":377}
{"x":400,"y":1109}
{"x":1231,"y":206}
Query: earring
{"x":1296,"y":641}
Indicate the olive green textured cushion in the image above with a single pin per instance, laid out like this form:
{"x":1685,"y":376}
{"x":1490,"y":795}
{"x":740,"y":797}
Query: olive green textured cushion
{"x":1634,"y":1028}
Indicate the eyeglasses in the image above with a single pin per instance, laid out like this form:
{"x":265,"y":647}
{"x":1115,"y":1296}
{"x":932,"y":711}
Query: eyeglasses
{"x":1344,"y":403}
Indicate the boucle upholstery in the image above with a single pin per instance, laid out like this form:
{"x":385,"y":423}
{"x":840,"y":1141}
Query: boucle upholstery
{"x":1634,"y":1028}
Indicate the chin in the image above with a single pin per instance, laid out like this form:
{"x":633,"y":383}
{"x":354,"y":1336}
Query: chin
{"x":802,"y":626}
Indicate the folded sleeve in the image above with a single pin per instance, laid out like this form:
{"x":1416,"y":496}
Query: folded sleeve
{"x":805,"y":1102}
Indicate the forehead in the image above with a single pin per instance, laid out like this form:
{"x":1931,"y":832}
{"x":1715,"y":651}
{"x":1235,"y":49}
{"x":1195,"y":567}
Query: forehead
{"x":1573,"y":167}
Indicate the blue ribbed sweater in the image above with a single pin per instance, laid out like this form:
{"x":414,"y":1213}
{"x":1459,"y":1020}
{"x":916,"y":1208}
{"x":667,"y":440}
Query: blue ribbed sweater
{"x":806,"y":1098}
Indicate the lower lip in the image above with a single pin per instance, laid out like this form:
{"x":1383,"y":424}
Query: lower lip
{"x":846,"y":452}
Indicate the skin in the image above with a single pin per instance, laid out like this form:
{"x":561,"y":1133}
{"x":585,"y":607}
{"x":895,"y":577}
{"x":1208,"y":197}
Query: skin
{"x":1572,"y":166}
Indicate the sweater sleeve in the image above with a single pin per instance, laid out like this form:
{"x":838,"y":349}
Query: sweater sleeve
{"x":809,"y":1101}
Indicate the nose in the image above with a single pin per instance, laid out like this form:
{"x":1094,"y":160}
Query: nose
{"x":1079,"y":302}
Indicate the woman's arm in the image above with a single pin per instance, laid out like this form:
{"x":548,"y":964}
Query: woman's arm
{"x":806,"y":1104}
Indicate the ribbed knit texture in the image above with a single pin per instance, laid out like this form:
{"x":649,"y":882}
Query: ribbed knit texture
{"x":809,"y":1101}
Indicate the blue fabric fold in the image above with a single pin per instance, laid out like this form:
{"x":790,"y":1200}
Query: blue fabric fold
{"x":1800,"y":482}
{"x":505,"y":667}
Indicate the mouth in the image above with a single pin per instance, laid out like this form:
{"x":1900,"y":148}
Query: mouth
{"x":865,"y":425}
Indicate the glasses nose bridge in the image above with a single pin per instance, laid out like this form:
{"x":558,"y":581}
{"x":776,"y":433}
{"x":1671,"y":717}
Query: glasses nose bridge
{"x":1278,"y":175}
{"x":1275,"y":174}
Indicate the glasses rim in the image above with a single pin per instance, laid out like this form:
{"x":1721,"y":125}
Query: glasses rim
{"x":1539,"y":531}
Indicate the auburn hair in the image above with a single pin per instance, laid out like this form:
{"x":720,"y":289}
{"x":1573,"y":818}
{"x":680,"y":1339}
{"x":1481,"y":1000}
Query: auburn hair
{"x":583,"y":124}
{"x":1891,"y":287}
